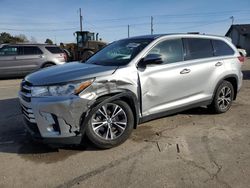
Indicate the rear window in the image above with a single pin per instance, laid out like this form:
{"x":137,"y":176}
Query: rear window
{"x":221,"y":48}
{"x":54,"y":50}
{"x":198,"y":48}
{"x":9,"y":50}
{"x":31,"y":50}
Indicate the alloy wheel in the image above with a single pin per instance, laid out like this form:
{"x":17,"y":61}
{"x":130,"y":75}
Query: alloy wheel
{"x":225,"y":97}
{"x":109,"y":121}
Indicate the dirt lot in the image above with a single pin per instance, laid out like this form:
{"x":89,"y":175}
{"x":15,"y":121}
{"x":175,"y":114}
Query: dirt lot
{"x":190,"y":149}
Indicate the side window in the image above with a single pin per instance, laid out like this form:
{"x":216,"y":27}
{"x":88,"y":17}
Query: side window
{"x":31,"y":50}
{"x":197,"y":48}
{"x":170,"y":50}
{"x":8,"y":51}
{"x":54,"y":49}
{"x":221,"y":48}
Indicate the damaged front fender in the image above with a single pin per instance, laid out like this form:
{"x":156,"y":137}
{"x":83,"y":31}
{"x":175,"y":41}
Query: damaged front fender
{"x":59,"y":116}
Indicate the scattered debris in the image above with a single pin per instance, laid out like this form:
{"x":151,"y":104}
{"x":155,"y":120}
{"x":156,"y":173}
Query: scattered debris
{"x":157,"y":143}
{"x":178,"y":149}
{"x":154,"y":141}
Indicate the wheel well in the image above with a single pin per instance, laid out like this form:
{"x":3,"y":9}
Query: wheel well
{"x":88,"y":49}
{"x":130,"y":102}
{"x":126,"y":97}
{"x":48,"y":62}
{"x":233,"y":81}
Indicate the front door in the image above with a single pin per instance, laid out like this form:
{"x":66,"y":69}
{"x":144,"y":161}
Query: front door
{"x":8,"y":63}
{"x":175,"y":83}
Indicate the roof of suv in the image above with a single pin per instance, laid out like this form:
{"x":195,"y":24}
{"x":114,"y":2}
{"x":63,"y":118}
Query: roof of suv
{"x":28,"y":44}
{"x":37,"y":44}
{"x":155,"y":36}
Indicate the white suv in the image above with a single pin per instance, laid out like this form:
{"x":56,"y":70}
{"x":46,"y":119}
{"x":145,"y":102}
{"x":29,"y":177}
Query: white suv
{"x":21,"y":59}
{"x":129,"y":82}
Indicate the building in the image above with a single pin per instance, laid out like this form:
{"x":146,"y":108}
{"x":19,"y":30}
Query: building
{"x":240,"y":35}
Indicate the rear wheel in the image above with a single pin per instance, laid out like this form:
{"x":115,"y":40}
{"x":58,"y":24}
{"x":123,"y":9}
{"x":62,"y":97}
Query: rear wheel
{"x":87,"y":54}
{"x":223,"y":98}
{"x":48,"y":65}
{"x":110,"y":124}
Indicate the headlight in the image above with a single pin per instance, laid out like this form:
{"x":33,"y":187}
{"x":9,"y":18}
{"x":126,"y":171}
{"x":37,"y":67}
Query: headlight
{"x":60,"y":90}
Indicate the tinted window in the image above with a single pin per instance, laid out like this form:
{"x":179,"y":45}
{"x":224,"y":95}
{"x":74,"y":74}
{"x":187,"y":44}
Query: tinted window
{"x":119,"y":52}
{"x":31,"y":50}
{"x":170,"y":50}
{"x":54,"y":50}
{"x":9,"y":50}
{"x":221,"y":48}
{"x":198,"y":48}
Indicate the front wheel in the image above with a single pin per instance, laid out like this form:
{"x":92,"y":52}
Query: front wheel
{"x":223,"y":98}
{"x":86,"y":55}
{"x":110,"y":124}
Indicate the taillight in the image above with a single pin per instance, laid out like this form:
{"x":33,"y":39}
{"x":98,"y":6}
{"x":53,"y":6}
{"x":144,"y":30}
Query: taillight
{"x":65,"y":56}
{"x":241,"y":59}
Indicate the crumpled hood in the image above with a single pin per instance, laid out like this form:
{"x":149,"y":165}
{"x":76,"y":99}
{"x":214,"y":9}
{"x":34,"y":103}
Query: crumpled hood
{"x":68,"y":72}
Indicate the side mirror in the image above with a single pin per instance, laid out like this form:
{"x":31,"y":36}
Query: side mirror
{"x":151,"y":59}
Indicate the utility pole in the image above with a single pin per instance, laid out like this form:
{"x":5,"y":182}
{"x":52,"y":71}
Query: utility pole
{"x":80,"y":19}
{"x":55,"y":39}
{"x":128,"y":31}
{"x":152,"y":25}
{"x":232,"y":18}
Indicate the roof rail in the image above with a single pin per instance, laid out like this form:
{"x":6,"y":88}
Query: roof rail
{"x":193,"y":33}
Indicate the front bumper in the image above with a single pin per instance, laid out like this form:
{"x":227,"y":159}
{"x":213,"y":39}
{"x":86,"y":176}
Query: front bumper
{"x":55,"y":120}
{"x":240,"y":82}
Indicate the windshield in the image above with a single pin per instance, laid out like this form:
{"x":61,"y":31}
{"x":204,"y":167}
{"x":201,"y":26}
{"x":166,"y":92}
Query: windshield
{"x":119,"y":53}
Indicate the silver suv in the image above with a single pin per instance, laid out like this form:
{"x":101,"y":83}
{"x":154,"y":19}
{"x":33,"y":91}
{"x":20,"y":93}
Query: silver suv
{"x":129,"y":82}
{"x":21,"y":59}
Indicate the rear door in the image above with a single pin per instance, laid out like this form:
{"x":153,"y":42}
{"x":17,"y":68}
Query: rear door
{"x":30,"y":59}
{"x":199,"y":54}
{"x":9,"y":64}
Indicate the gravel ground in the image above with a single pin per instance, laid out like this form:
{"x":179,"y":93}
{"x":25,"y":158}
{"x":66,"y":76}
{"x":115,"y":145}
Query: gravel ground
{"x":191,"y":149}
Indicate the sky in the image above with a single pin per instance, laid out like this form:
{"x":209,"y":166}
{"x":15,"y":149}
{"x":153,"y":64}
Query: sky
{"x":59,"y":19}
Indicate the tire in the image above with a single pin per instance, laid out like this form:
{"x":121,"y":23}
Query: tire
{"x":223,"y":98}
{"x":48,"y":65}
{"x":103,"y":130}
{"x":86,"y":55}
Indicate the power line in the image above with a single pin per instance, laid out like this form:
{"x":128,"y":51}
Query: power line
{"x":186,"y":15}
{"x":214,"y":22}
{"x":38,"y":23}
{"x":200,"y":23}
{"x":203,"y":13}
{"x":157,"y":23}
{"x":38,"y":30}
{"x":174,"y":15}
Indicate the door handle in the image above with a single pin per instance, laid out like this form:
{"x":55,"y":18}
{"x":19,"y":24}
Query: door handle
{"x":185,"y":71}
{"x":218,"y":64}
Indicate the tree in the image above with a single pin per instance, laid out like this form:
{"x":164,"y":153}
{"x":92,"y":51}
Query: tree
{"x":49,"y":41}
{"x":5,"y":37}
{"x":33,"y":39}
{"x":8,"y":38}
{"x":22,"y":38}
